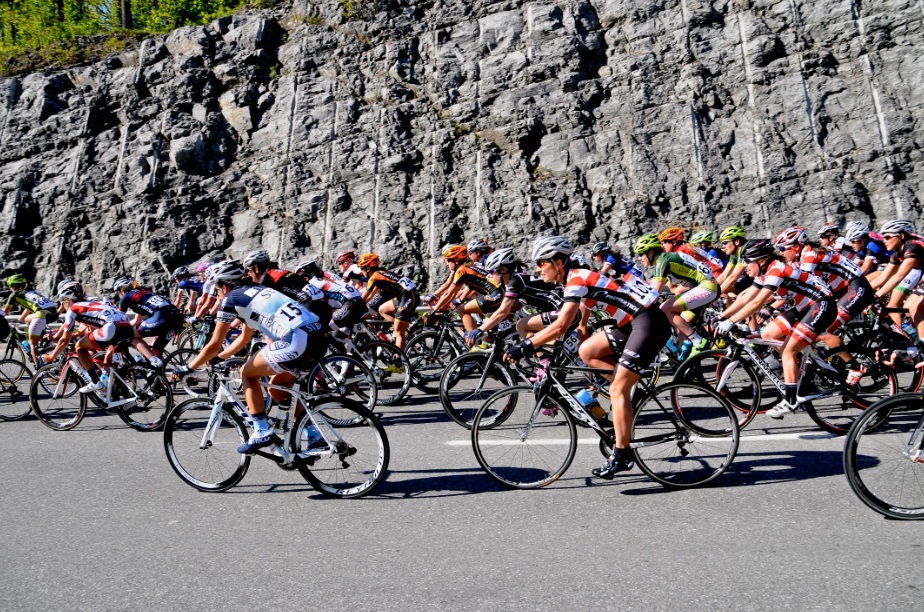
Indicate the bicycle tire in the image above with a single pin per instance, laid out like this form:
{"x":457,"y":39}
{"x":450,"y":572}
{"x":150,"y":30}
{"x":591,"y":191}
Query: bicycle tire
{"x":429,"y":357}
{"x":519,"y":446}
{"x":15,"y":380}
{"x":391,"y":387}
{"x":15,"y":352}
{"x":351,"y":462}
{"x":193,"y":384}
{"x":219,"y":466}
{"x":836,"y":414}
{"x":684,"y":434}
{"x":462,"y":390}
{"x":58,"y":407}
{"x":742,"y":387}
{"x":875,"y":463}
{"x":342,"y":376}
{"x":155,"y":398}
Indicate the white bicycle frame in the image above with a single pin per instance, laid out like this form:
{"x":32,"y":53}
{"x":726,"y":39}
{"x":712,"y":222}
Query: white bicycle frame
{"x":113,"y":375}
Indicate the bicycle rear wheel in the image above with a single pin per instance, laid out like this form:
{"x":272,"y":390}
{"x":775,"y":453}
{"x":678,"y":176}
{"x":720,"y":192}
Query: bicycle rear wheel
{"x":466,"y":384}
{"x":15,"y":379}
{"x":347,"y":462}
{"x":741,"y":386}
{"x":520,"y":444}
{"x":340,"y":376}
{"x":684,"y":434}
{"x":429,"y":355}
{"x":214,"y":465}
{"x":56,"y":401}
{"x":878,"y":469}
{"x":154,"y":397}
{"x":391,"y":369}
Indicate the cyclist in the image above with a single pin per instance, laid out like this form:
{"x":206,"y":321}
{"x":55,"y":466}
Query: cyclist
{"x":295,"y":340}
{"x":400,"y":299}
{"x":208,"y":300}
{"x":614,"y":264}
{"x":345,"y":300}
{"x":904,"y":269}
{"x":672,"y":240}
{"x":732,"y":280}
{"x":830,"y":239}
{"x":703,"y":241}
{"x":188,"y":289}
{"x":154,"y":317}
{"x":870,"y":253}
{"x":689,"y":279}
{"x":478,"y":249}
{"x":490,"y":292}
{"x":37,"y":310}
{"x":350,"y":272}
{"x":261,"y":271}
{"x":109,"y":327}
{"x":814,"y":308}
{"x":640,"y":326}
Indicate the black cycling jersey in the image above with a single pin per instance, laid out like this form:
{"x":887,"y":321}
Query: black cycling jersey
{"x":533,"y":291}
{"x":144,"y":302}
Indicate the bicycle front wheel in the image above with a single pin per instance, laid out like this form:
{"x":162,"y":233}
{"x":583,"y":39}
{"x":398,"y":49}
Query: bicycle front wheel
{"x":15,"y":380}
{"x":467,"y":382}
{"x":346,"y":462}
{"x":741,"y":386}
{"x":207,"y":461}
{"x":521,"y":444}
{"x":339,"y":376}
{"x":152,"y":393}
{"x":55,"y":399}
{"x":429,"y":352}
{"x":883,"y":457}
{"x":684,"y":434}
{"x":391,"y":369}
{"x":191,"y":384}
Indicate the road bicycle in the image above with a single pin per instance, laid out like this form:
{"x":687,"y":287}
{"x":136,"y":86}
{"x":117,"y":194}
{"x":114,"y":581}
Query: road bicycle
{"x":684,"y":434}
{"x":201,"y":439}
{"x":15,"y":379}
{"x":387,"y":363}
{"x":884,"y":457}
{"x":139,"y":394}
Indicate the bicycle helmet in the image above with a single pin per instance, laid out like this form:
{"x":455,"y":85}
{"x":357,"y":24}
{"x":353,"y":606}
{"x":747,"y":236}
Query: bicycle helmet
{"x":600,"y":247}
{"x":16,"y":279}
{"x":646,"y":243}
{"x":369,"y":260}
{"x":345,"y":256}
{"x":730,"y":233}
{"x":757,"y":249}
{"x":897,"y":226}
{"x":229,"y":272}
{"x":790,"y":237}
{"x":123,"y":282}
{"x":578,"y":260}
{"x":856,"y":230}
{"x":478,"y":246}
{"x":547,"y":247}
{"x":829,"y":228}
{"x":181,"y":272}
{"x":456,"y":253}
{"x":701,"y":237}
{"x":308,"y":267}
{"x":672,"y":234}
{"x":259,"y":256}
{"x":500,"y":257}
{"x":203,"y":266}
{"x":71,"y":290}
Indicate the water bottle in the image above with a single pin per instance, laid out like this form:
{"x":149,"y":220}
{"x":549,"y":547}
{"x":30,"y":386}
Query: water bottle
{"x":672,"y":346}
{"x":104,"y":379}
{"x":685,"y":349}
{"x":909,"y":329}
{"x":312,"y":435}
{"x":282,"y":421}
{"x":592,"y":405}
{"x":25,"y":345}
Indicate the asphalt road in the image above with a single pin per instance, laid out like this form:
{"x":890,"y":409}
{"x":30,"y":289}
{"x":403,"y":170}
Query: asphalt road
{"x":95,"y":519}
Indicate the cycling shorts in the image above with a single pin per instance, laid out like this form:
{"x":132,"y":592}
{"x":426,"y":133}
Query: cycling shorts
{"x":40,"y":319}
{"x":377,"y":300}
{"x":639,"y":341}
{"x":297,"y":351}
{"x":859,"y":297}
{"x":164,"y":325}
{"x":406,"y":306}
{"x":699,"y":296}
{"x":4,"y":328}
{"x":910,"y":281}
{"x":742,"y":282}
{"x":491,"y":302}
{"x":111,"y":334}
{"x":805,"y":325}
{"x":550,"y":317}
{"x":350,"y":313}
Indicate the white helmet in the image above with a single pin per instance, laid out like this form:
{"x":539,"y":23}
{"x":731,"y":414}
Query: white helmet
{"x":896,"y":226}
{"x":71,"y":290}
{"x":478,"y":246}
{"x":856,"y":230}
{"x":546,"y":247}
{"x":500,"y":257}
{"x":228,"y":272}
{"x":259,"y":256}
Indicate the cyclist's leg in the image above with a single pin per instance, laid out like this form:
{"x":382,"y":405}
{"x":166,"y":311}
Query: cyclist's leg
{"x":466,"y":310}
{"x":405,"y":312}
{"x":388,"y":309}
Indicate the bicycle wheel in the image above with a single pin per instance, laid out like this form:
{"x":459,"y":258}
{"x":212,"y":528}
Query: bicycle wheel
{"x":154,"y":397}
{"x":684,"y":434}
{"x":391,"y":369}
{"x":882,"y":460}
{"x":193,"y":384}
{"x":15,"y":379}
{"x":15,"y":352}
{"x":347,"y":462}
{"x":467,"y":382}
{"x":837,"y":412}
{"x":55,"y":399}
{"x":214,"y":465}
{"x":741,"y":386}
{"x":429,"y":355}
{"x":341,"y":376}
{"x":531,"y":447}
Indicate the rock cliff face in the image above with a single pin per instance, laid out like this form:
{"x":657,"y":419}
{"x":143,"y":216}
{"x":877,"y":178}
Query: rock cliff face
{"x":398,"y":126}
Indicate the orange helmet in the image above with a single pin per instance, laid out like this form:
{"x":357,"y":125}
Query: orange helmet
{"x":672,"y":234}
{"x":456,"y":253}
{"x":369,"y":260}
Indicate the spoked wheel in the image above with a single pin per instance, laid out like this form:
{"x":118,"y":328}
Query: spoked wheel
{"x":391,"y":369}
{"x":684,"y":434}
{"x":153,"y":397}
{"x":429,"y":354}
{"x":467,"y":382}
{"x":345,"y":462}
{"x":740,"y":385}
{"x":342,"y":377}
{"x":193,"y":384}
{"x":205,"y":460}
{"x":520,"y":444}
{"x":884,"y":457}
{"x":55,"y":399}
{"x":15,"y":379}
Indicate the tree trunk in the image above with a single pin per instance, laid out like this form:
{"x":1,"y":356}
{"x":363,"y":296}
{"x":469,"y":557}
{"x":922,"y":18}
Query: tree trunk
{"x":126,"y":14}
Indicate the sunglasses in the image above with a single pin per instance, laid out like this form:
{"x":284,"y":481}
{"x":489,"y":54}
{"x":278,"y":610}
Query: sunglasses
{"x":782,"y":249}
{"x":890,"y":236}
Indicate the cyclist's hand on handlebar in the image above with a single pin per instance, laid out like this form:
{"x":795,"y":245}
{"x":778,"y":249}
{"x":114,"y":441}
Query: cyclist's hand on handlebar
{"x":472,"y":337}
{"x":520,"y":351}
{"x":723,"y":327}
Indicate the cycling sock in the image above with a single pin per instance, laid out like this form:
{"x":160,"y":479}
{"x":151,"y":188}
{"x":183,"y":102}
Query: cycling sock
{"x":259,"y":423}
{"x":623,"y":454}
{"x":94,"y":374}
{"x":791,"y":393}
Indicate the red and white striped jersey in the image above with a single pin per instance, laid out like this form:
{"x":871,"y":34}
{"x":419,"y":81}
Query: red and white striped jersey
{"x":622,"y":298}
{"x":790,"y":282}
{"x":94,"y":314}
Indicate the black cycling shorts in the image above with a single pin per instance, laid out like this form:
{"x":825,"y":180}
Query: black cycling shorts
{"x":859,"y":297}
{"x":807,"y":324}
{"x":406,"y":306}
{"x":164,"y":325}
{"x":491,"y":302}
{"x":350,"y":313}
{"x":639,"y":341}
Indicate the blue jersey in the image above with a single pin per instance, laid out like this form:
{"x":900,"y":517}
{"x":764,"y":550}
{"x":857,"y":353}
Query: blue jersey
{"x":874,"y":250}
{"x":619,"y":265}
{"x":191,"y":284}
{"x":144,"y":302}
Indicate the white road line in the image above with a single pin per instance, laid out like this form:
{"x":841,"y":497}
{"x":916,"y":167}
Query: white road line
{"x":747,"y":438}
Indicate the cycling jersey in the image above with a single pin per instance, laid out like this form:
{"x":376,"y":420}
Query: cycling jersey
{"x":190,"y":284}
{"x":681,"y":269}
{"x":94,"y":314}
{"x":266,"y":310}
{"x":621,"y":298}
{"x":30,"y":300}
{"x":837,"y":270}
{"x":533,"y":291}
{"x":477,"y":279}
{"x":911,"y":249}
{"x":354,"y":273}
{"x":145,"y":303}
{"x":789,"y":282}
{"x":390,"y":284}
{"x":874,"y":250}
{"x":296,"y":288}
{"x":702,"y":257}
{"x":619,"y":265}
{"x":335,"y":292}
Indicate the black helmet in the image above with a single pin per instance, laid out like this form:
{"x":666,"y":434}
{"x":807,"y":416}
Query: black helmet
{"x":181,"y":272}
{"x":757,"y":248}
{"x":309,"y":268}
{"x":600,"y":247}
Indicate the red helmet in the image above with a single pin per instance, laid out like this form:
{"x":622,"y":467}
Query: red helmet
{"x":790,"y":237}
{"x":345,"y":256}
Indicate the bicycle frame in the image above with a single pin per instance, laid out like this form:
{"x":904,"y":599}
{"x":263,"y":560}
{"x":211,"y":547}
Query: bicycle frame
{"x":109,"y":402}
